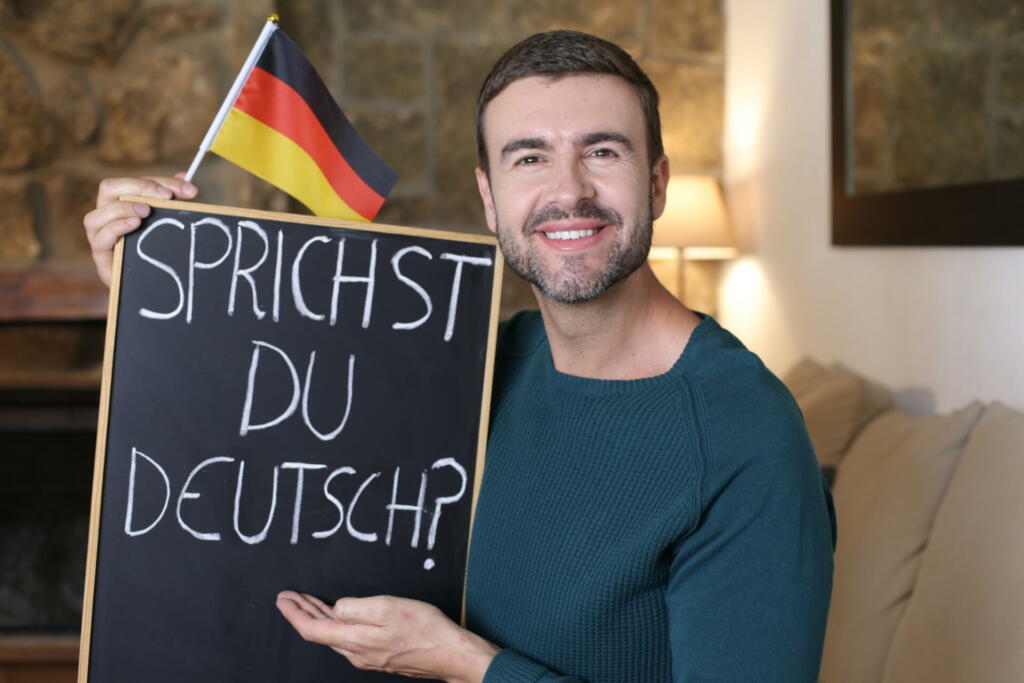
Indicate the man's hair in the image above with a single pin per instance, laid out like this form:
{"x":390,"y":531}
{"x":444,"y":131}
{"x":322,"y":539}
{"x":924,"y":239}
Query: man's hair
{"x":564,"y":53}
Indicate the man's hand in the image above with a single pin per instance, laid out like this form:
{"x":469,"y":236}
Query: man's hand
{"x":113,"y":218}
{"x":396,"y":635}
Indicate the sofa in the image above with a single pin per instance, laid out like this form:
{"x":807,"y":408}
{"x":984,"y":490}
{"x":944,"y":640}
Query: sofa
{"x":929,"y":563}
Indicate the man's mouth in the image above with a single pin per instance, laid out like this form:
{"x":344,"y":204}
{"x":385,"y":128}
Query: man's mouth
{"x":571,"y":234}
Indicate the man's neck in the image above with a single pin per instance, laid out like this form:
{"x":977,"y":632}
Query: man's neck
{"x":635,"y":329}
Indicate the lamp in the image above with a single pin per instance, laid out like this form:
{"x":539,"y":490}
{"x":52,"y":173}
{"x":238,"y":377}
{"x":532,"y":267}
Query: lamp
{"x":693,"y":228}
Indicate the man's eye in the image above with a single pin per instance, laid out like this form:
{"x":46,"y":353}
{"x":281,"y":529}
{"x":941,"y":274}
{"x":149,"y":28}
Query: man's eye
{"x":528,"y":160}
{"x":603,"y":152}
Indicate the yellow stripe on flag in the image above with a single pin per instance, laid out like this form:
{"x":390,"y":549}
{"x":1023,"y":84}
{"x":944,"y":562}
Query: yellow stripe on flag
{"x":261,"y":150}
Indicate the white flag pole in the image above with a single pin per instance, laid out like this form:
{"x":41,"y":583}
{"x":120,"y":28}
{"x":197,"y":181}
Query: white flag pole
{"x":236,"y":87}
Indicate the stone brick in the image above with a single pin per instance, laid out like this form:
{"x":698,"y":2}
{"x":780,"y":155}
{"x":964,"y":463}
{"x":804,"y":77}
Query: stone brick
{"x":1011,"y":79}
{"x":398,"y":137}
{"x":69,"y":196}
{"x":71,"y":102}
{"x":939,"y":135}
{"x":242,"y":23}
{"x":18,"y":241}
{"x":610,"y":19}
{"x":985,"y":18}
{"x":461,"y":69}
{"x":686,"y":25}
{"x":146,"y":124}
{"x":692,"y":103}
{"x":383,"y":69}
{"x":413,"y":210}
{"x":310,"y":24}
{"x":8,"y":13}
{"x":1009,"y":147}
{"x":25,"y":136}
{"x":414,"y":15}
{"x":83,"y":31}
{"x":870,"y":119}
{"x":168,"y":20}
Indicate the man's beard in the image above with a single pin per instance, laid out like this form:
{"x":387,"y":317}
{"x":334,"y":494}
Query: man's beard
{"x":576,"y":283}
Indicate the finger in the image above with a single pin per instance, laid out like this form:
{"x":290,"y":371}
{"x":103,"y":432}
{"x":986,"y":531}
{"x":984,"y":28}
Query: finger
{"x":98,"y":218}
{"x":302,"y":603}
{"x":316,"y":629}
{"x":313,"y":629}
{"x":103,"y":241}
{"x":104,"y":267}
{"x":368,"y":611}
{"x":112,"y":188}
{"x":320,"y":605}
{"x":177,"y":184}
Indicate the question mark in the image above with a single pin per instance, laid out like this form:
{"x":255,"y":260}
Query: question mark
{"x":441,"y":501}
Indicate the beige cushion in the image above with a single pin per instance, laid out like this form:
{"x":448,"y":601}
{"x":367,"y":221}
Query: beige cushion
{"x":875,"y":399}
{"x":965,"y":620}
{"x":830,"y":400}
{"x":887,"y":491}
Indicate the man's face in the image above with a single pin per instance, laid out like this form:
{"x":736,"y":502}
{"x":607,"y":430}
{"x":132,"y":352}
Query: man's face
{"x":571,"y":194}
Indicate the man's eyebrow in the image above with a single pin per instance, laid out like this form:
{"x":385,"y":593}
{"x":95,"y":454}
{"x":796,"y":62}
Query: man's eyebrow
{"x":523,"y":143}
{"x":607,"y":136}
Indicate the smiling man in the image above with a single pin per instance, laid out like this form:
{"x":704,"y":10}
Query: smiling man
{"x":651,"y":508}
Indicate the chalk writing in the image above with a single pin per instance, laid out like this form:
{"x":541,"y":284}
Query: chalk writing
{"x":228,"y":246}
{"x":191,"y":491}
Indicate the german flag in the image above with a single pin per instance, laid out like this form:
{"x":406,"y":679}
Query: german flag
{"x":285,"y":127}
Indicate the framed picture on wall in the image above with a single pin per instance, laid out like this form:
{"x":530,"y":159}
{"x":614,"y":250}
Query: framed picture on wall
{"x":927,"y":123}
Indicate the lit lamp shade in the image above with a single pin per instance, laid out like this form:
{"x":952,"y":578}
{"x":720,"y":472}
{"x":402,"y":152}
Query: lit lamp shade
{"x":694,"y":220}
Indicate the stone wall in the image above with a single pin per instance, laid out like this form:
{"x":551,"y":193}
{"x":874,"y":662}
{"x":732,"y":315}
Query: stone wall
{"x":938,"y":92}
{"x":108,"y":88}
{"x":128,"y":87}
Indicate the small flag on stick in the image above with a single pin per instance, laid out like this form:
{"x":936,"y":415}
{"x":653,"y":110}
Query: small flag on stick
{"x":279,"y":122}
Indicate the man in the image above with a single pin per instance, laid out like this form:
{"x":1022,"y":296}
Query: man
{"x":651,"y":508}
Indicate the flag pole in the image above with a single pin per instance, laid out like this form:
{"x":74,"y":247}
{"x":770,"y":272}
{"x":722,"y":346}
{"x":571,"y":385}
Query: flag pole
{"x":236,"y":87}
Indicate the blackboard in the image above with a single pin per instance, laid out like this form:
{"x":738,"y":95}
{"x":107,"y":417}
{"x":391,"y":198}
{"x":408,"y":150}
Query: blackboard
{"x":288,"y":403}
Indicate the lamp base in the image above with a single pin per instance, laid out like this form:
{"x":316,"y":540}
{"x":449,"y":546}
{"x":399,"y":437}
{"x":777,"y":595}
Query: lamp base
{"x":695,"y":283}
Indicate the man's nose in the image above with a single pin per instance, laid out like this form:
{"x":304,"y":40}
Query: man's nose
{"x":569,"y":184}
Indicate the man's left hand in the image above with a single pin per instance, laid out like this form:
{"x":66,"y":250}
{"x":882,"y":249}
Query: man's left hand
{"x":396,"y":635}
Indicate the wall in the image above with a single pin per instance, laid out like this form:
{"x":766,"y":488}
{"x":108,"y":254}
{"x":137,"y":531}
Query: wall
{"x":939,"y":326}
{"x":407,"y":73}
{"x":128,"y":87}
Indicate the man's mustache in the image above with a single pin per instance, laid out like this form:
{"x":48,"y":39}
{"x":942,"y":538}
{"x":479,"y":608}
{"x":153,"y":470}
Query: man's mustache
{"x":585,"y":209}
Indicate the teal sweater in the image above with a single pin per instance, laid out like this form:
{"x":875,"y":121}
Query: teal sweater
{"x":674,"y":528}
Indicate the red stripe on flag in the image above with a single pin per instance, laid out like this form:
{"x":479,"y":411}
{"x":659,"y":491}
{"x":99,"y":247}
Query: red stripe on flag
{"x":273,"y":102}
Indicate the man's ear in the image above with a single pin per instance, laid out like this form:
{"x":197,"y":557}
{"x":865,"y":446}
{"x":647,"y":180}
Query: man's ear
{"x":483,"y":184}
{"x":659,"y":183}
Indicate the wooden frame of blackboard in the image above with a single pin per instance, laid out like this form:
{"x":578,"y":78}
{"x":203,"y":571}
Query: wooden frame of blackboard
{"x":110,"y":351}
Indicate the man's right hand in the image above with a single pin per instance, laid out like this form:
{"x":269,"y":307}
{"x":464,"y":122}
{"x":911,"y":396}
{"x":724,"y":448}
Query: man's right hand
{"x":113,"y":218}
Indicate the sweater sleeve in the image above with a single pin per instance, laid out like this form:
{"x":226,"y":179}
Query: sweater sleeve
{"x":749,"y":586}
{"x":509,"y":666}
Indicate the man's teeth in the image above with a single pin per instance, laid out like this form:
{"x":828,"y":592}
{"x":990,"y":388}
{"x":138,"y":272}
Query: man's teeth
{"x":570,"y":234}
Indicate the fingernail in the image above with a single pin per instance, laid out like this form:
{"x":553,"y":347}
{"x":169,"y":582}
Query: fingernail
{"x":133,"y":221}
{"x":190,"y":190}
{"x":141,"y":209}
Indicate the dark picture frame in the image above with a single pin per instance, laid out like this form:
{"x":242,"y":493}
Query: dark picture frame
{"x":976,"y":214}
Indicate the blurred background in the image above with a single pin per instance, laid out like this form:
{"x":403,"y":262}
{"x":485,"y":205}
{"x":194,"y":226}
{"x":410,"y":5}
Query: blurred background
{"x":92,"y":89}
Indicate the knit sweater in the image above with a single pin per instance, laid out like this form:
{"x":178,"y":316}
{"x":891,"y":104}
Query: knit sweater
{"x":672,"y":528}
